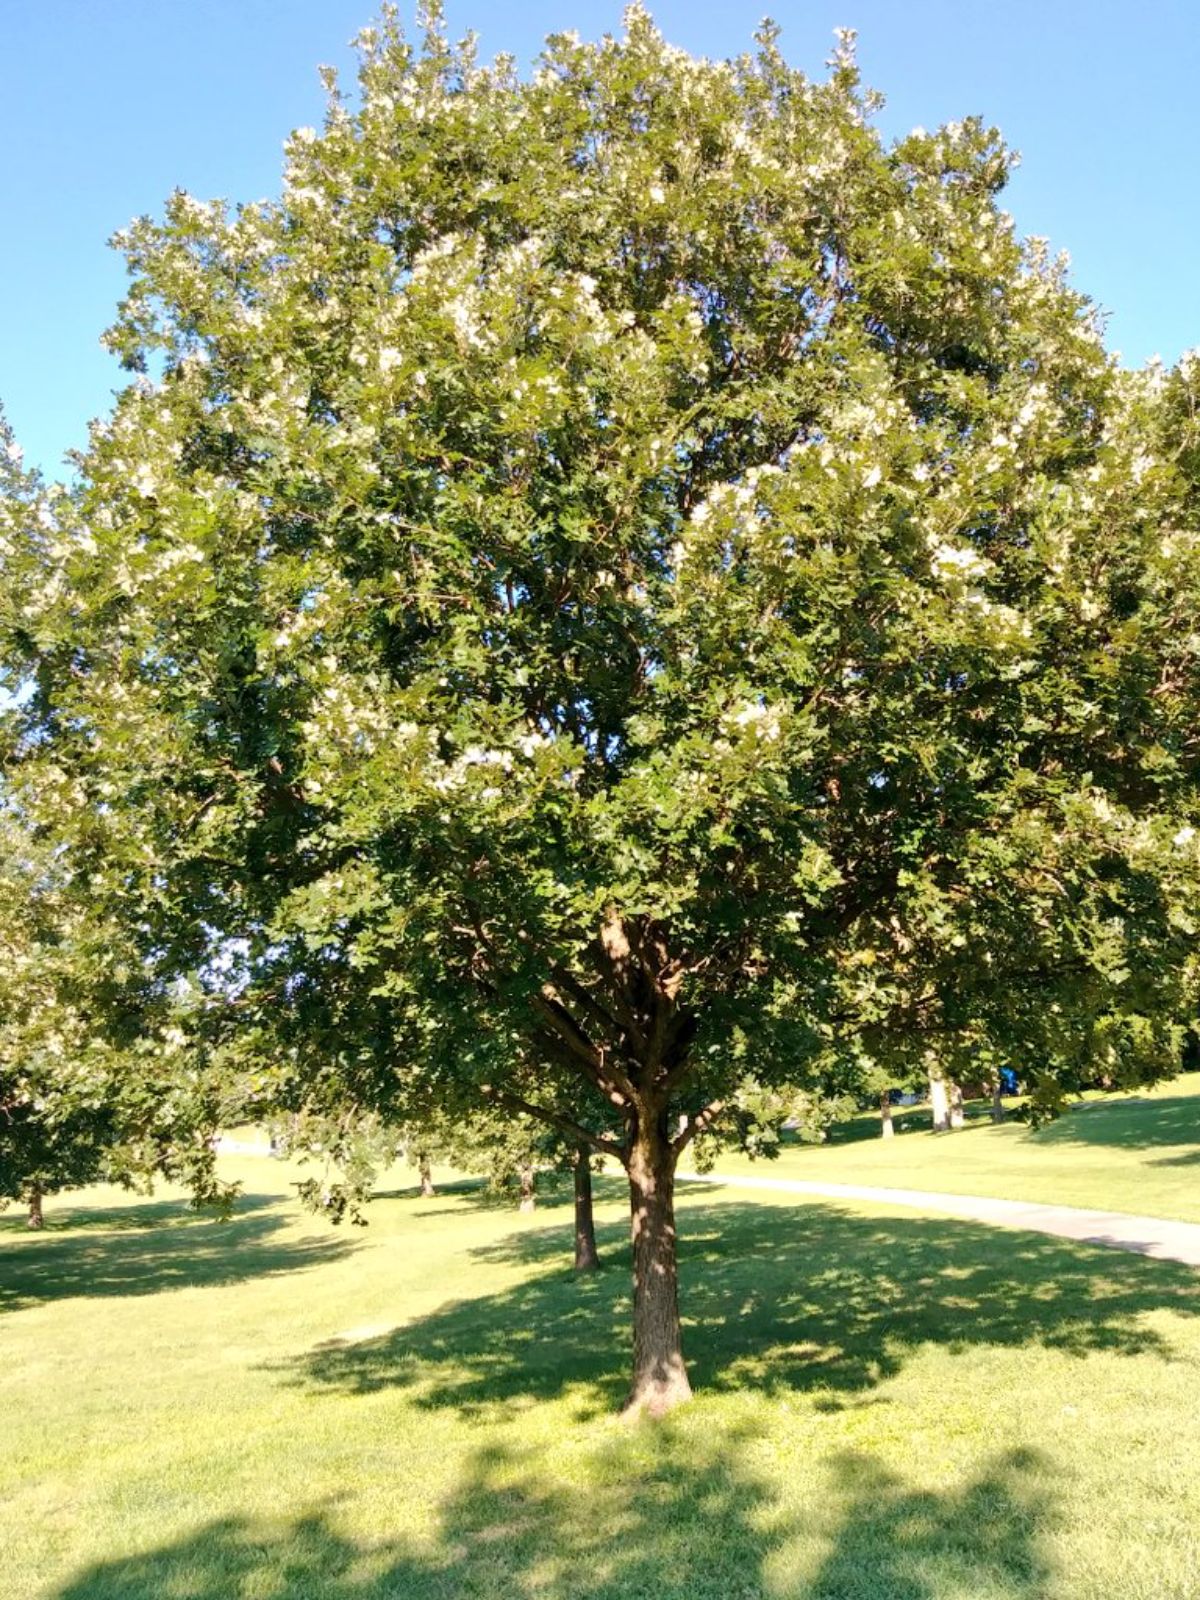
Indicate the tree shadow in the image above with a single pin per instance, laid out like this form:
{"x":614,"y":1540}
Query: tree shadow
{"x":207,"y":1253}
{"x":1138,"y":1124}
{"x":916,"y":1544}
{"x":686,"y":1519}
{"x":775,"y":1298}
{"x":473,"y":1193}
{"x":555,"y":1190}
{"x":119,"y":1219}
{"x":470,"y":1189}
{"x":554,"y":1197}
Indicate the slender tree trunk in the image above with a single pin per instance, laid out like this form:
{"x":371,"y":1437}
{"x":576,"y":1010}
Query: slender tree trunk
{"x":660,"y":1379}
{"x":528,"y":1198}
{"x":939,"y":1102}
{"x":426,"y":1172}
{"x":36,"y":1219}
{"x":886,"y":1129}
{"x":587,"y":1258}
{"x":957,"y":1116}
{"x":997,"y":1102}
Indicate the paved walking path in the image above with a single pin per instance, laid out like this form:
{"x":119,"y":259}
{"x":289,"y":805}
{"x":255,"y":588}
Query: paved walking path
{"x":1148,"y":1236}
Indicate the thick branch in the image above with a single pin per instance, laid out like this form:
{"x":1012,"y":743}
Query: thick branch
{"x":583,"y":1054}
{"x":682,"y":1034}
{"x":698,"y":1124}
{"x":555,"y":1119}
{"x":610,"y":971}
{"x":553,"y":1047}
{"x":579,"y":992}
{"x":572,"y":1045}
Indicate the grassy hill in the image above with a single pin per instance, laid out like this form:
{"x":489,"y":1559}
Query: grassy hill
{"x":1137,"y":1153}
{"x":890,"y":1406}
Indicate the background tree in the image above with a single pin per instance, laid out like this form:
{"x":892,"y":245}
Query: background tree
{"x":622,"y":585}
{"x":98,"y":1078}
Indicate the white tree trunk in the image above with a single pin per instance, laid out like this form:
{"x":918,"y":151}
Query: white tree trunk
{"x":957,"y":1115}
{"x":939,"y":1101}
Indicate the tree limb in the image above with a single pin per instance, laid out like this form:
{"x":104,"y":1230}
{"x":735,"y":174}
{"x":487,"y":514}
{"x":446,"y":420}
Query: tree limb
{"x":555,"y":1119}
{"x":698,"y":1124}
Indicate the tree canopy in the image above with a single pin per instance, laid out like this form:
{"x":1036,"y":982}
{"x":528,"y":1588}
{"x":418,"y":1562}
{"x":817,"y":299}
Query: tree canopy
{"x":621,"y":590}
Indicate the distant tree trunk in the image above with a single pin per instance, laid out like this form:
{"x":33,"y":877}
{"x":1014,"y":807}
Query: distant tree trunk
{"x":997,"y":1101}
{"x":660,"y":1379}
{"x":587,"y":1258}
{"x":36,"y":1219}
{"x":940,"y":1103}
{"x":886,"y":1129}
{"x":528,"y":1198}
{"x":957,"y":1115}
{"x":426,"y":1172}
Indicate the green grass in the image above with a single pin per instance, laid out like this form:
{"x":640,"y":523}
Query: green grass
{"x":889,"y":1407}
{"x":1138,"y":1153}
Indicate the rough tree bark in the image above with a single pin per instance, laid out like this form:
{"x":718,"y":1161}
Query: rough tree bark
{"x":528,"y":1198}
{"x":36,"y":1219}
{"x":660,"y":1379}
{"x":641,"y":1069}
{"x":886,"y":1130}
{"x":587,"y":1258}
{"x":426,"y":1172}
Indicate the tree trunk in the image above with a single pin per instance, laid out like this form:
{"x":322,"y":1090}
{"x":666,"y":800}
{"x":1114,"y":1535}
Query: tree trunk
{"x":426,"y":1172}
{"x":528,"y":1198}
{"x":940,"y":1103}
{"x":36,"y":1219}
{"x":886,"y":1129}
{"x":957,"y":1115}
{"x":587,"y":1258}
{"x":660,"y":1379}
{"x":997,"y":1102}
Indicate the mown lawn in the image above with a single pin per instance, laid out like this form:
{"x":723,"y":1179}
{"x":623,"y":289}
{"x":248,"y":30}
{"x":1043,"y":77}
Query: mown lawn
{"x":1138,"y":1153}
{"x":890,"y":1407}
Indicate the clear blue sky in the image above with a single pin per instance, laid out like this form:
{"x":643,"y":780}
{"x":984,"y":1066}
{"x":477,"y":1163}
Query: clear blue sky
{"x":106,"y":105}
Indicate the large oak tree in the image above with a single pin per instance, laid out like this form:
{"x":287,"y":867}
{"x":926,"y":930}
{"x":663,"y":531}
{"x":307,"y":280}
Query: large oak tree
{"x":622,"y":589}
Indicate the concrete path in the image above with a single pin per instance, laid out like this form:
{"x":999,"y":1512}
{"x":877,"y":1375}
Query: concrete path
{"x":1148,"y":1236}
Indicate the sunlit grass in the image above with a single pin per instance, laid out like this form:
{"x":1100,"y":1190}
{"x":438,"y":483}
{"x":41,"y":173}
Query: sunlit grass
{"x":890,"y":1407}
{"x":1138,"y":1153}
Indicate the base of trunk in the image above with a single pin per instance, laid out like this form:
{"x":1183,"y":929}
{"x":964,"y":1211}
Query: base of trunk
{"x":36,"y":1219}
{"x":528,"y":1197}
{"x":660,"y":1380}
{"x":426,"y":1172}
{"x":654,"y":1396}
{"x":886,"y":1130}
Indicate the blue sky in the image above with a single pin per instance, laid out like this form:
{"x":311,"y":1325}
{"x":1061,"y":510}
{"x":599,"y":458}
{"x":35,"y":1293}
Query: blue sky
{"x":106,"y":105}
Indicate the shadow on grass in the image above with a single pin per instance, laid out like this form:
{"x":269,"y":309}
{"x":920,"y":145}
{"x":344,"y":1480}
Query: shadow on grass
{"x":120,"y":1219}
{"x":184,"y":1251}
{"x":475,"y":1193}
{"x":684,"y":1521}
{"x":554,"y":1189}
{"x":775,"y":1298}
{"x":1137,"y":1124}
